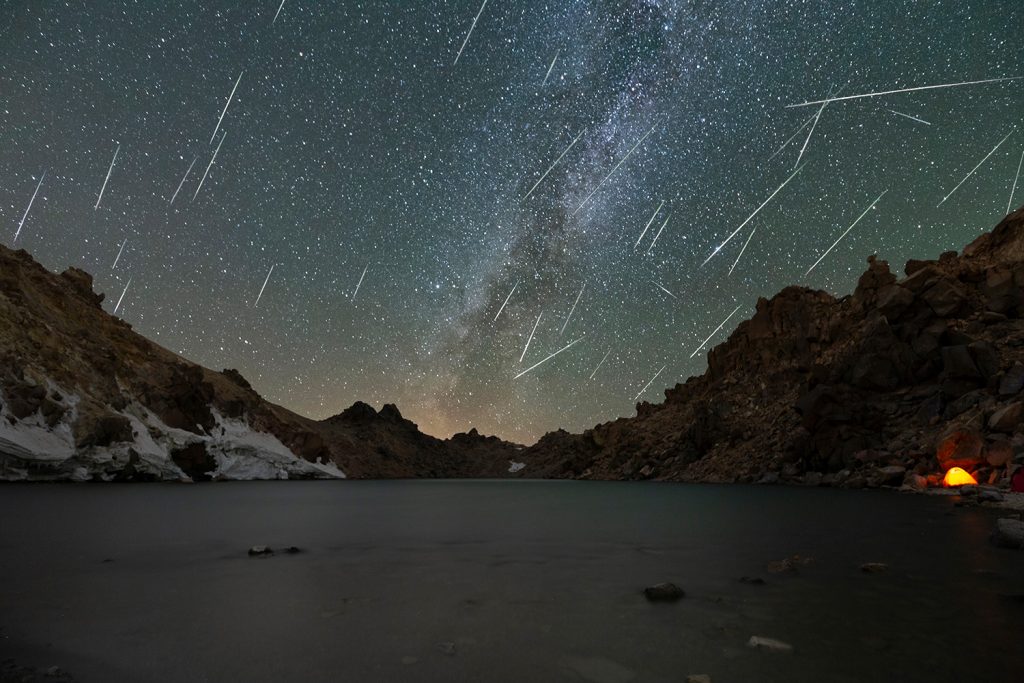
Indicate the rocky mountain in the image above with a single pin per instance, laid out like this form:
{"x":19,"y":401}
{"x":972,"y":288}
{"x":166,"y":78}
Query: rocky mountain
{"x":83,"y":397}
{"x":891,"y":385}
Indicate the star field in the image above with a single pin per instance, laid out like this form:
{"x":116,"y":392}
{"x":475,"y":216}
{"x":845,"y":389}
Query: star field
{"x":354,"y":143}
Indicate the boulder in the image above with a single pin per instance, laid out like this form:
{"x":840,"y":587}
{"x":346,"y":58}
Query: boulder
{"x":260,"y":551}
{"x":961,"y":448}
{"x":891,"y":475}
{"x":874,"y":567}
{"x":1009,"y":533}
{"x":945,"y":298}
{"x":1012,"y":381}
{"x":999,"y":453}
{"x":664,"y":592}
{"x":1007,"y":418}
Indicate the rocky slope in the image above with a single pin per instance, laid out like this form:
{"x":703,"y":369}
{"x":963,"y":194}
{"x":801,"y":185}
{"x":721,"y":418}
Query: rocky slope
{"x":83,"y":397}
{"x":889,"y":386}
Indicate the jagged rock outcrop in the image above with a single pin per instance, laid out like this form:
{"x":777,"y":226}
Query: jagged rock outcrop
{"x":83,"y":397}
{"x":892,"y":384}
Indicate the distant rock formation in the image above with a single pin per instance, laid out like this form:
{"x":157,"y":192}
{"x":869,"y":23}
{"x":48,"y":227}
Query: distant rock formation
{"x":888,"y":386}
{"x":83,"y":397}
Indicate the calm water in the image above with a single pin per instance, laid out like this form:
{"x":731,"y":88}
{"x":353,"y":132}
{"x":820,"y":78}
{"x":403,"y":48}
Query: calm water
{"x":500,"y":581}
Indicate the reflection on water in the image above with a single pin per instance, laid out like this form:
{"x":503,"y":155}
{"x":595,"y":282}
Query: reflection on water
{"x":501,"y":581}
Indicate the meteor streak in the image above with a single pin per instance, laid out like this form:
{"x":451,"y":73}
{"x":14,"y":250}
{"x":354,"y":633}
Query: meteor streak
{"x":646,"y":386}
{"x":975,"y":168}
{"x":727,"y":239}
{"x":232,"y":95}
{"x":715,"y":332}
{"x":360,"y":283}
{"x":791,"y":137}
{"x":648,"y":224}
{"x":893,"y":92}
{"x":260,"y":295}
{"x":844,"y":234}
{"x":118,"y":258}
{"x":279,"y":7}
{"x":175,"y":195}
{"x":615,"y":168}
{"x":506,"y":301}
{"x":1014,"y":188}
{"x":655,"y":240}
{"x":548,"y":74}
{"x":105,"y":180}
{"x":662,"y":288}
{"x":600,"y":364}
{"x":531,"y":337}
{"x":908,"y":116}
{"x":552,"y":166}
{"x":210,"y":165}
{"x":572,"y":310}
{"x":548,"y":358}
{"x":29,"y":207}
{"x":471,"y":27}
{"x":122,"y":295}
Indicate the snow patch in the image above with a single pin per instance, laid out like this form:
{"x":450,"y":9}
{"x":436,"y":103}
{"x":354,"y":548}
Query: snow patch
{"x":514,"y":466}
{"x":30,"y":449}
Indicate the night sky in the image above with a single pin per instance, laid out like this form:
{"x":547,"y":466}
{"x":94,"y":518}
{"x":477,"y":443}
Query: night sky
{"x":354,"y":141}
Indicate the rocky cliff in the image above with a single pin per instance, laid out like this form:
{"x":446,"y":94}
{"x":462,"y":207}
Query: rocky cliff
{"x":83,"y":397}
{"x":891,"y":385}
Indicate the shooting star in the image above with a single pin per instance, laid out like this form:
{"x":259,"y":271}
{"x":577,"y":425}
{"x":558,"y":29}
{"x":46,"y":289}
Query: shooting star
{"x":1014,"y":188}
{"x":28,"y":208}
{"x":471,"y":27}
{"x":105,"y":180}
{"x":175,"y":195}
{"x":908,"y":116}
{"x":901,"y":90}
{"x":531,"y":337}
{"x":572,"y":310}
{"x":548,"y":74}
{"x":647,"y":386}
{"x":807,"y":141}
{"x":792,"y":137}
{"x":715,"y":332}
{"x":655,"y":240}
{"x":975,"y":168}
{"x":600,"y":364}
{"x":648,"y":224}
{"x":749,"y":237}
{"x":845,"y":233}
{"x":265,"y":281}
{"x":210,"y":165}
{"x":228,"y":103}
{"x":615,"y":168}
{"x":279,"y":8}
{"x":118,"y":258}
{"x":360,"y":283}
{"x":662,"y":288}
{"x":727,"y":239}
{"x":535,"y":365}
{"x":506,"y":301}
{"x":552,"y":166}
{"x":122,"y":295}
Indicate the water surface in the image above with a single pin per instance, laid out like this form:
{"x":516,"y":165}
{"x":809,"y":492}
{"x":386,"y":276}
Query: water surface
{"x":500,"y":581}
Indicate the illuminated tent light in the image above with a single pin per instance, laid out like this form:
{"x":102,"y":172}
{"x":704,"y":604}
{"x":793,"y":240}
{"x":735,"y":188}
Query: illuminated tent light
{"x":957,"y":476}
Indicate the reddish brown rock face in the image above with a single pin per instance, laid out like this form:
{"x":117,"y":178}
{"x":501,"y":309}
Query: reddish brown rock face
{"x":961,"y":449}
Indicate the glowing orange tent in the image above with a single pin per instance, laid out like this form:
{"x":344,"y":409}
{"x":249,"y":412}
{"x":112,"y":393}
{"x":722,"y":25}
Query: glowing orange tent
{"x":957,"y":476}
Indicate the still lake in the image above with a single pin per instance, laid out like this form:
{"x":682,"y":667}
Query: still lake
{"x":501,"y":581}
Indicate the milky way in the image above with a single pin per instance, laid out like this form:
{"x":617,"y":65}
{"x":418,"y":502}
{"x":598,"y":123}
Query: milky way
{"x":352,"y":152}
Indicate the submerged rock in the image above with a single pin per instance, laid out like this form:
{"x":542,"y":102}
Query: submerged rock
{"x":770,"y":644}
{"x":260,"y":551}
{"x":664,"y":592}
{"x":1009,"y":533}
